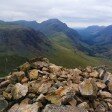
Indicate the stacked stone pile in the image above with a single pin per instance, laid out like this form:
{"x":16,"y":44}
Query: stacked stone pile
{"x":40,"y":86}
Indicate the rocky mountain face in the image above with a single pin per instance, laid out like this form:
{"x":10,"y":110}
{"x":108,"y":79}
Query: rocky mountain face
{"x":103,"y":42}
{"x":94,"y":29}
{"x":93,"y":40}
{"x":99,"y":40}
{"x":30,"y":24}
{"x":53,"y":27}
{"x":104,"y":36}
{"x":22,"y":41}
{"x":40,"y":86}
{"x":49,"y":28}
{"x":87,"y":34}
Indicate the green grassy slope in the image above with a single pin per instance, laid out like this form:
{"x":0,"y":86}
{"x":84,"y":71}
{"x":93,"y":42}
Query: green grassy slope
{"x":9,"y":62}
{"x":65,"y":55}
{"x":62,"y":53}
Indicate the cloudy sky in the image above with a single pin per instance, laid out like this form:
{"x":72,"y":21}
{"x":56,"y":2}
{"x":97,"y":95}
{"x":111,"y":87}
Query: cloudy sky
{"x":76,"y":13}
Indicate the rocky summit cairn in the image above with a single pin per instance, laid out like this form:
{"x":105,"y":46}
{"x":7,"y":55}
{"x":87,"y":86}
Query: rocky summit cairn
{"x":40,"y":86}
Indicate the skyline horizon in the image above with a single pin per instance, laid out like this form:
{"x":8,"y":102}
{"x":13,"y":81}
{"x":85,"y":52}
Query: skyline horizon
{"x":74,"y":13}
{"x":59,"y":20}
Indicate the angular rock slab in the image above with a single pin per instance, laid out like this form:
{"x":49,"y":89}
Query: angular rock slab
{"x":55,"y":108}
{"x":33,"y":74}
{"x":25,"y":108}
{"x":88,"y":88}
{"x":19,"y":90}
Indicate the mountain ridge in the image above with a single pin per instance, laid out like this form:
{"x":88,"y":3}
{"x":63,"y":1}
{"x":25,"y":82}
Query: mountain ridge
{"x":20,"y":40}
{"x":100,"y":42}
{"x":61,"y":42}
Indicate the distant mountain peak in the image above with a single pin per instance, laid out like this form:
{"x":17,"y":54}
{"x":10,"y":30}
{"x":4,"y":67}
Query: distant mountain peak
{"x":95,"y":27}
{"x":30,"y":24}
{"x":1,"y":21}
{"x":54,"y":22}
{"x":25,"y":21}
{"x":109,"y":27}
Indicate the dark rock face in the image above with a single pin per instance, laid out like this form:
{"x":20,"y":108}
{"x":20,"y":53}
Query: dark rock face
{"x":40,"y":86}
{"x":55,"y":108}
{"x":22,"y":41}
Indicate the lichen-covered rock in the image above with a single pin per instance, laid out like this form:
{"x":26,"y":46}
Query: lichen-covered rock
{"x":4,"y":83}
{"x":88,"y":88}
{"x":89,"y":69}
{"x":73,"y":102}
{"x":41,"y":98}
{"x":25,"y":66}
{"x":108,"y":77}
{"x":83,"y":105}
{"x":24,"y":80}
{"x":94,"y":74}
{"x":7,"y":96}
{"x":67,"y":98}
{"x":54,"y":69}
{"x":44,"y":87}
{"x":110,"y":87}
{"x":55,"y":108}
{"x":101,"y":85}
{"x":53,"y":76}
{"x":100,"y":108}
{"x":110,"y":106}
{"x":25,"y":107}
{"x":33,"y":86}
{"x":9,"y":88}
{"x":33,"y":74}
{"x":17,"y":76}
{"x":76,"y":71}
{"x":101,"y":73}
{"x":54,"y":99}
{"x":105,"y":94}
{"x":19,"y":91}
{"x":39,"y":64}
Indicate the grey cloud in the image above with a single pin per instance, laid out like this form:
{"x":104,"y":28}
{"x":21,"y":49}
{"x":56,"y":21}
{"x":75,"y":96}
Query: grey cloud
{"x":73,"y":12}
